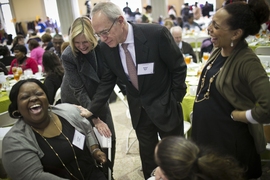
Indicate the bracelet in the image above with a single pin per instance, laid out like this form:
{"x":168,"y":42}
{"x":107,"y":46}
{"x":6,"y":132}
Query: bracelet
{"x":232,"y":117}
{"x":96,"y":149}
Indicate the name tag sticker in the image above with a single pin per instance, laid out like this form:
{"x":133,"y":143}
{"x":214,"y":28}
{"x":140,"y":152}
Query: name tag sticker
{"x":145,"y":68}
{"x":78,"y":139}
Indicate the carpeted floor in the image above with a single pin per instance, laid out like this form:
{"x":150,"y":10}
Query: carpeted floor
{"x":128,"y":166}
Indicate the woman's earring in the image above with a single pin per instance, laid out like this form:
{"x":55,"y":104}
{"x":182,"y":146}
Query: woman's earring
{"x":232,"y":44}
{"x":16,"y":114}
{"x":50,"y":108}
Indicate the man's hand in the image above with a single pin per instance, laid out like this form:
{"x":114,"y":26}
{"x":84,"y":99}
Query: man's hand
{"x":102,"y":127}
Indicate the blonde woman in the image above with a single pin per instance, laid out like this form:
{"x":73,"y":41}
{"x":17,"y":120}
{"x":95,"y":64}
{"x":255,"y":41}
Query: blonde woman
{"x":82,"y":61}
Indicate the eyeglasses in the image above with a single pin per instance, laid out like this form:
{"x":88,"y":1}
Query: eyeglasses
{"x":105,"y":33}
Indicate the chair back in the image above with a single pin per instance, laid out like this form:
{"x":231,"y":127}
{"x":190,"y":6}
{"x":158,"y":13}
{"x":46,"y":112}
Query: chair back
{"x":262,"y":50}
{"x":117,"y":91}
{"x":57,"y":96}
{"x":120,"y":95}
{"x":190,"y":40}
{"x":6,"y":120}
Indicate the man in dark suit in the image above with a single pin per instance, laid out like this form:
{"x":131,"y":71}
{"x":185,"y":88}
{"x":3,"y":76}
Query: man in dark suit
{"x":185,"y":47}
{"x":154,"y":96}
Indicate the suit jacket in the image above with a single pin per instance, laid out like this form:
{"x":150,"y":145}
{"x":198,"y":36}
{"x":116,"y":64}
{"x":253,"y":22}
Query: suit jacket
{"x":159,"y":93}
{"x":187,"y":49}
{"x":81,"y":80}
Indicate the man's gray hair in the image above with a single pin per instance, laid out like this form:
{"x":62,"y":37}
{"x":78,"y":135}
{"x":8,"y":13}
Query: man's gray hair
{"x":176,"y":28}
{"x":111,"y":10}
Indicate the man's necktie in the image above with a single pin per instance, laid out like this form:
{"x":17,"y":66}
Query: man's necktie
{"x":132,"y":72}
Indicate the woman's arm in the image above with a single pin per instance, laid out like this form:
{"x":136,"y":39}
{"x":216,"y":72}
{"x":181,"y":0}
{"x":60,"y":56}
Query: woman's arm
{"x":21,"y":160}
{"x":102,"y":127}
{"x":32,"y":64}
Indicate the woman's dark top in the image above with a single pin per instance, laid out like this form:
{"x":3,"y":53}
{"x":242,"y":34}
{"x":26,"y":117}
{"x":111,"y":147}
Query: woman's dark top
{"x":52,"y":83}
{"x":52,"y":164}
{"x":213,"y":127}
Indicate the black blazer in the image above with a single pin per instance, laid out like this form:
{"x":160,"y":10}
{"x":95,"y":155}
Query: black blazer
{"x":187,"y":49}
{"x":159,"y":93}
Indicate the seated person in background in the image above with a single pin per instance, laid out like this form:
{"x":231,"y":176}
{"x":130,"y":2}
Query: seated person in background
{"x":41,"y":26}
{"x":207,"y":46}
{"x":54,"y":74}
{"x":47,"y":41}
{"x":17,"y":40}
{"x":190,"y":24}
{"x":179,"y":22}
{"x":21,"y":60}
{"x":34,"y":36}
{"x":63,"y":46}
{"x":36,"y":51}
{"x":5,"y":53}
{"x":3,"y":68}
{"x":168,"y":23}
{"x":43,"y":143}
{"x":57,"y":43}
{"x":179,"y":158}
{"x":185,"y":47}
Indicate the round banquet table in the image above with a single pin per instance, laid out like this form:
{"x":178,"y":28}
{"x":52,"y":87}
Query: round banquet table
{"x":4,"y":102}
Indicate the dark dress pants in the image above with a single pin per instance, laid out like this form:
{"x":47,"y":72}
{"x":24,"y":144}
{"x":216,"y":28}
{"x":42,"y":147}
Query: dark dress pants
{"x":147,"y":134}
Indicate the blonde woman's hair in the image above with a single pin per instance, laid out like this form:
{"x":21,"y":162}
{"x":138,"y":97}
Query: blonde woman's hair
{"x":82,"y":25}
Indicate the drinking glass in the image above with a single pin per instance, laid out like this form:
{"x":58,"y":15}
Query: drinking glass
{"x":16,"y":76}
{"x":20,"y":71}
{"x":206,"y":56}
{"x":14,"y":69}
{"x":188,"y":59}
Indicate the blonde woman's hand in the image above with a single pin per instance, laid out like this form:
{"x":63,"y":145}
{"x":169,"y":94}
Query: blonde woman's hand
{"x":102,"y":127}
{"x":84,"y":112}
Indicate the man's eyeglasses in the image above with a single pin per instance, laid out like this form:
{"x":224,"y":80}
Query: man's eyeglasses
{"x":105,"y":33}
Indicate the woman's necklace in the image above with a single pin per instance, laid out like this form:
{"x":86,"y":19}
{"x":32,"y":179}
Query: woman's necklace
{"x":71,"y":145}
{"x":211,"y":80}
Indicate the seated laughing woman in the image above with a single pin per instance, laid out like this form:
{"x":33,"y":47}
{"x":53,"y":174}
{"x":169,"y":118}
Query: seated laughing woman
{"x":48,"y":142}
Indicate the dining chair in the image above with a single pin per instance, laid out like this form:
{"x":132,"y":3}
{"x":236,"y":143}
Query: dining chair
{"x":57,"y":96}
{"x":6,"y":120}
{"x":6,"y":123}
{"x":123,"y":99}
{"x":105,"y":142}
{"x":262,"y":50}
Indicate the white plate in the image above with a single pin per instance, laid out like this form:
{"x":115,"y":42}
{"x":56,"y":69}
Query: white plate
{"x":191,"y":73}
{"x":193,"y":83}
{"x":10,"y":76}
{"x":38,"y":77}
{"x":193,"y":65}
{"x":12,"y":81}
{"x":191,"y":78}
